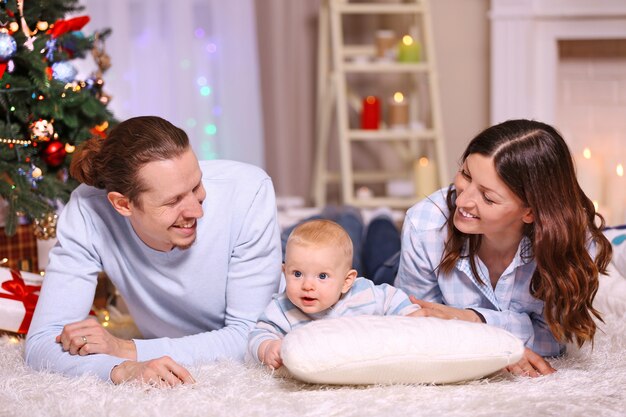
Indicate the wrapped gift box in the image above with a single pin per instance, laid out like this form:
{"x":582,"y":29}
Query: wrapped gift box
{"x":19,"y":292}
{"x":20,"y":250}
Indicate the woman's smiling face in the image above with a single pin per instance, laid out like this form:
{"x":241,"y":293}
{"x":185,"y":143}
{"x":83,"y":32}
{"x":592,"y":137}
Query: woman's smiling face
{"x":485,"y":204}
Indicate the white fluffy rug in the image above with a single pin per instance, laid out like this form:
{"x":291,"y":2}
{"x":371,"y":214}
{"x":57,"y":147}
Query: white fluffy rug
{"x":588,"y":383}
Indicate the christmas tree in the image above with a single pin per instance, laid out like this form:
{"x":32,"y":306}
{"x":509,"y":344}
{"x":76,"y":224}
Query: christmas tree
{"x":45,"y":112}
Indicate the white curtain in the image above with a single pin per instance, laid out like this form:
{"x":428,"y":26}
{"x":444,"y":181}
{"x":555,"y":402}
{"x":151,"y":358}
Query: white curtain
{"x":193,"y":62}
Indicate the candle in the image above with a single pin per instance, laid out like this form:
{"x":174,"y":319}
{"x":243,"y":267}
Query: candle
{"x":364,"y":193}
{"x":589,"y":173}
{"x":615,"y":196}
{"x":385,"y":44}
{"x":425,"y":177}
{"x":409,"y":50}
{"x":398,"y":115}
{"x":370,"y":113}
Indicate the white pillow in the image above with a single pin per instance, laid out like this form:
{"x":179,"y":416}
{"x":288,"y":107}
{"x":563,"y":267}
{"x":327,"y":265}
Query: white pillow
{"x":611,"y":295}
{"x":617,"y":237}
{"x":397,"y":349}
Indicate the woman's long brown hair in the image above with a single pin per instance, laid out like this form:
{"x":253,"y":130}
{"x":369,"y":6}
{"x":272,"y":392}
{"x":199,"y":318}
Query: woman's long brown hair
{"x":534,"y":161}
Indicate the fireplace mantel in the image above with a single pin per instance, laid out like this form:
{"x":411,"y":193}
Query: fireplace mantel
{"x":524,"y":49}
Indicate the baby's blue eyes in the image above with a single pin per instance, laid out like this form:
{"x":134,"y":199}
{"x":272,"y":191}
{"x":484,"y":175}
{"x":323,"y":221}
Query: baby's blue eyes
{"x":298,"y":274}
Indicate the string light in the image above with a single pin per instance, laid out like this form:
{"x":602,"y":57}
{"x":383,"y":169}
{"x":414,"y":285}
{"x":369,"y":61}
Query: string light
{"x":103,"y":126}
{"x":106,"y":317}
{"x":15,"y":141}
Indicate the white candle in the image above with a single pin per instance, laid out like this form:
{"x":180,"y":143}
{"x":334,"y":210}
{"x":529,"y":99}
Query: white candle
{"x":589,"y":173}
{"x":425,"y":179}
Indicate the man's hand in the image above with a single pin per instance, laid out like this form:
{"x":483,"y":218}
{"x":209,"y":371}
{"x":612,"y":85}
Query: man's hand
{"x":88,"y":336}
{"x":531,"y":365}
{"x":269,"y":353}
{"x":443,"y":311}
{"x":162,"y":372}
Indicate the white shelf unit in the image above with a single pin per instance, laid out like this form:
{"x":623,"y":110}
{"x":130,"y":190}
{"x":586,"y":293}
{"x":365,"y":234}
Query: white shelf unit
{"x":336,"y":61}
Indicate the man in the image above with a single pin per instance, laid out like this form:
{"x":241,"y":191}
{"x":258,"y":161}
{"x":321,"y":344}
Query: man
{"x":192,"y":247}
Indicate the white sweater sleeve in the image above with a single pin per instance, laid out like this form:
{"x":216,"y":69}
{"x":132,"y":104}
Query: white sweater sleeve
{"x":66,"y":297}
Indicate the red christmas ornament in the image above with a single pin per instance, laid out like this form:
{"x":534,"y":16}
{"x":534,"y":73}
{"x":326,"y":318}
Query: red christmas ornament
{"x":54,"y":153}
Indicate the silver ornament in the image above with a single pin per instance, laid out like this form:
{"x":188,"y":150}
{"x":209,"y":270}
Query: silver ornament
{"x":64,"y":71}
{"x":8,"y":46}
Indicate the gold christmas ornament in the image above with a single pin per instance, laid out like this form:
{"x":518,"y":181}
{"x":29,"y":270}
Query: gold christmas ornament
{"x":42,"y":25}
{"x":41,"y":130}
{"x":45,"y":227}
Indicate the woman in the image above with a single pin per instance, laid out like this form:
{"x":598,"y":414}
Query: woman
{"x":512,"y":243}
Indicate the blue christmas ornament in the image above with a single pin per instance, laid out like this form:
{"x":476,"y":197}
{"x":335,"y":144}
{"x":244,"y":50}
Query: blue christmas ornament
{"x":64,"y":71}
{"x":8,"y":46}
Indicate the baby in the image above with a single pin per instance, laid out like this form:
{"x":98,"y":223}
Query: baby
{"x":320,"y":283}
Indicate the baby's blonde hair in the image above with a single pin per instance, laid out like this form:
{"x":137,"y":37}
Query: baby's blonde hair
{"x":323,"y":233}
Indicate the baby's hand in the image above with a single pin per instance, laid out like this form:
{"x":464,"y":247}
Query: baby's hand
{"x":416,"y":313}
{"x":269,"y":353}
